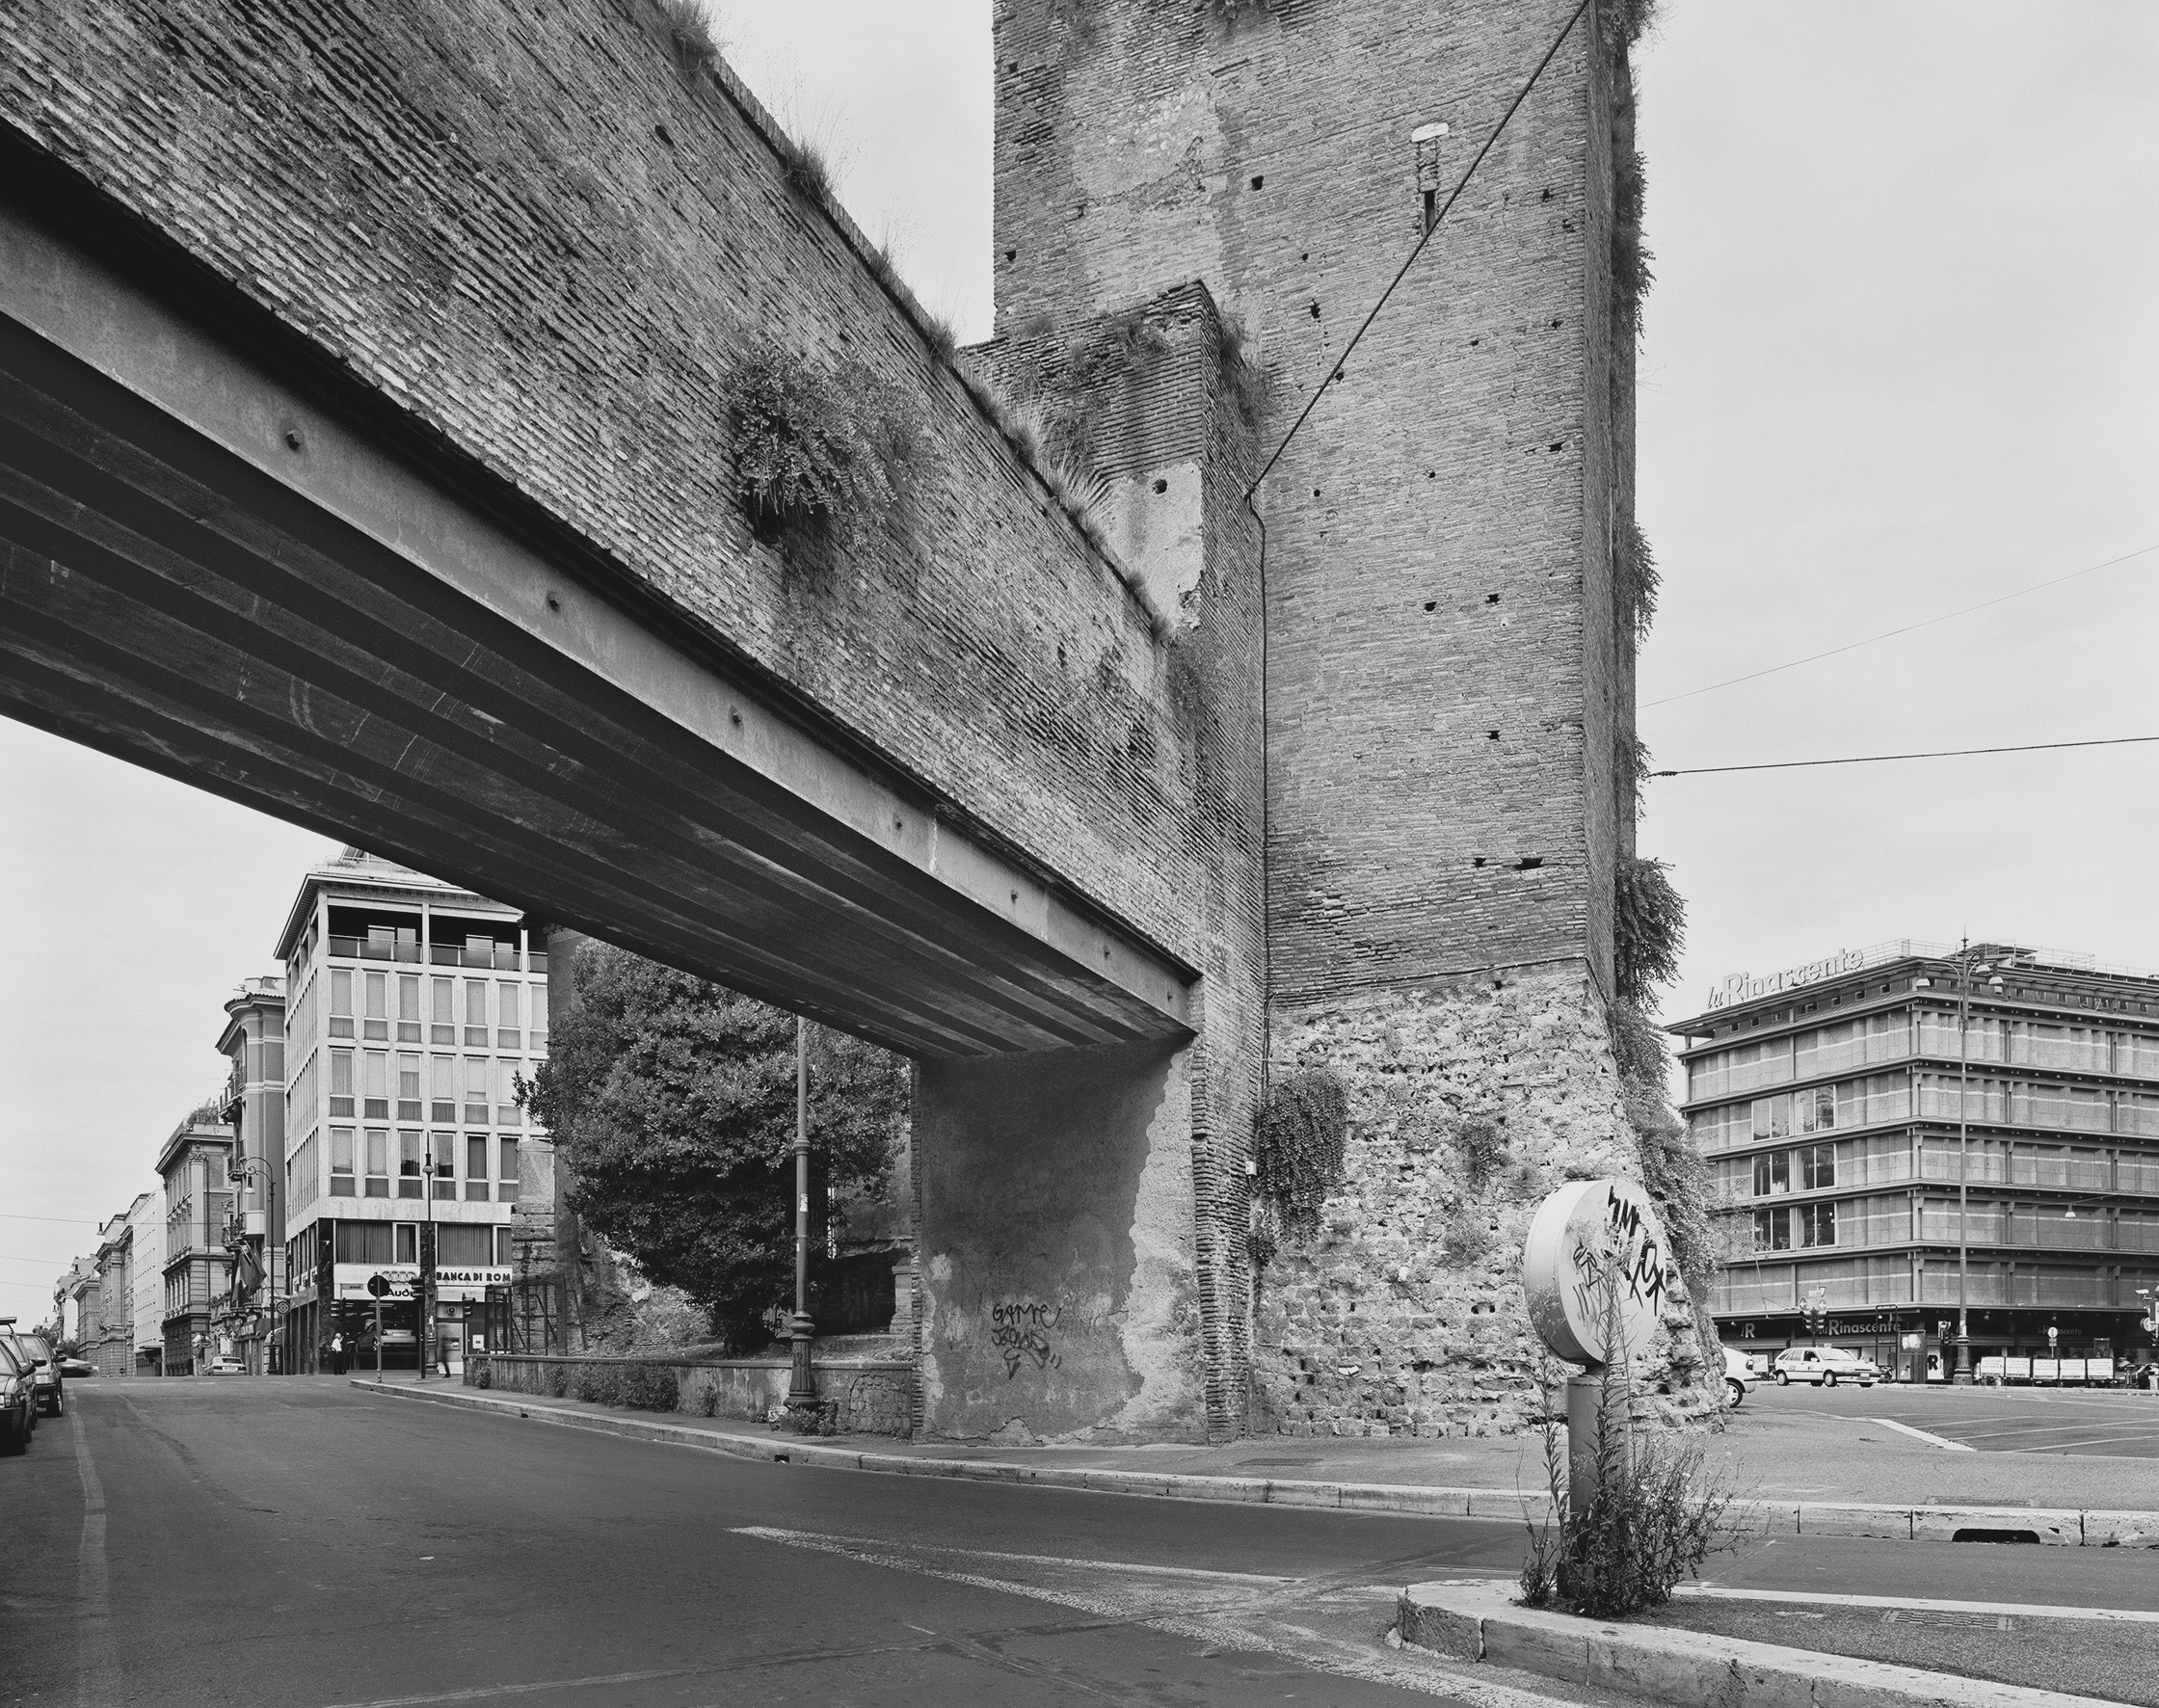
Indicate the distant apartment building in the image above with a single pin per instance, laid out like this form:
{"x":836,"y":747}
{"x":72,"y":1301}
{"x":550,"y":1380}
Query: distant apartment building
{"x":253,"y":1040}
{"x":1844,"y":1107}
{"x":197,"y":1201}
{"x":74,"y":1300}
{"x":145,"y":1303}
{"x":111,"y":1351}
{"x":412,"y":1008}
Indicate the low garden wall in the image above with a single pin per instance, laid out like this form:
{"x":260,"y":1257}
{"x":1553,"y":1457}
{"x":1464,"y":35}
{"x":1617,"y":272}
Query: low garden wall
{"x":860,"y":1396}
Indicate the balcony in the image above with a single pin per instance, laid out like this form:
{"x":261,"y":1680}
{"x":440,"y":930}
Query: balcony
{"x":367,"y":949}
{"x":496,"y":957}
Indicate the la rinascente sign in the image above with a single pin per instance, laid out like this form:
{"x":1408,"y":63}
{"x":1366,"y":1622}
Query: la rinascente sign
{"x":1745,"y":987}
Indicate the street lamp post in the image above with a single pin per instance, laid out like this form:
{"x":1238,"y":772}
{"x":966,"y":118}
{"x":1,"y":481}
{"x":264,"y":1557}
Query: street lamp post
{"x":1964,"y":971}
{"x":802,"y":1381}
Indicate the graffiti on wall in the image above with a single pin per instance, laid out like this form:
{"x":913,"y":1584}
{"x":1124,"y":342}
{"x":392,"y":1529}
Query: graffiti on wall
{"x":1020,"y":1329}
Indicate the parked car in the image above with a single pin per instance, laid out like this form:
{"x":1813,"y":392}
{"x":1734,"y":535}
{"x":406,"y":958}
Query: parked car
{"x":36,"y":1357}
{"x":18,"y":1409}
{"x":77,"y":1366}
{"x":1739,"y":1375}
{"x":226,"y":1365}
{"x":1824,"y":1367}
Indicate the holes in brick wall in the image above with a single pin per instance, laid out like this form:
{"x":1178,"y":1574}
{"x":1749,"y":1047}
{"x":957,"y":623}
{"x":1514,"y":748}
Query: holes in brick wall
{"x":1060,"y":657}
{"x":734,"y":718}
{"x":553,"y":603}
{"x":1476,"y":860}
{"x":1560,"y":445}
{"x":1491,"y":599}
{"x":1314,"y":311}
{"x":664,"y":134}
{"x":1528,"y":863}
{"x":1161,"y":486}
{"x":1554,"y":326}
{"x":1259,"y":181}
{"x":1547,"y":195}
{"x":1473,"y":343}
{"x":1431,"y":604}
{"x":1432,"y":474}
{"x":1011,"y":254}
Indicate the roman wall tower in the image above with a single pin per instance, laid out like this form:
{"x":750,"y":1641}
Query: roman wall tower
{"x":1445,"y":707}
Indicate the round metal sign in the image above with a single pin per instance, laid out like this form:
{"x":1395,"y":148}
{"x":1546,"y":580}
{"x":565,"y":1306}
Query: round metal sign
{"x":1597,"y":1270}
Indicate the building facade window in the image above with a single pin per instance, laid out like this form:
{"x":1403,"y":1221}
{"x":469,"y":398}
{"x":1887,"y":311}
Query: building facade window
{"x":376,"y":1021}
{"x":341,"y":1083}
{"x":340,"y":1003}
{"x":408,"y":1007}
{"x":409,"y":1086}
{"x":443,"y":1021}
{"x":378,"y":1161}
{"x":476,"y":1013}
{"x":374,"y":1084}
{"x":508,"y":1024}
{"x":506,"y":1190}
{"x":341,"y":1163}
{"x":408,"y":1179}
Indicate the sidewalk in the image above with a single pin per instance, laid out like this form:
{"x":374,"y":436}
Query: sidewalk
{"x":1821,"y":1474}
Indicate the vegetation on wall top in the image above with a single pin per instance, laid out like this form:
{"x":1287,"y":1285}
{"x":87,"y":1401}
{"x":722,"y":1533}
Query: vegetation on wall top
{"x":1649,"y":928}
{"x":817,"y":448}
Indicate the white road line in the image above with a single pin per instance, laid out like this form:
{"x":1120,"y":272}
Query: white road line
{"x":2090,"y":1441}
{"x":96,"y":1655}
{"x":2008,"y":1609}
{"x":1429,"y":1674}
{"x":1931,"y":1440}
{"x":1197,"y":1573}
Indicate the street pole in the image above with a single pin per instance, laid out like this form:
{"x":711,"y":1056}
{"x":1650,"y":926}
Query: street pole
{"x":802,"y":1384}
{"x":419,"y":1280}
{"x":378,"y":1340}
{"x":1963,"y":1373}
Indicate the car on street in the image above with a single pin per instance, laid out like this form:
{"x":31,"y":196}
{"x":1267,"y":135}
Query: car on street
{"x":77,"y":1366}
{"x":1824,"y":1367}
{"x":1739,"y":1376}
{"x":226,"y":1366}
{"x":37,"y":1357}
{"x":18,"y":1409}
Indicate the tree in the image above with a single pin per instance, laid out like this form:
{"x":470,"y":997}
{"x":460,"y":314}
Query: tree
{"x":675,"y":1101}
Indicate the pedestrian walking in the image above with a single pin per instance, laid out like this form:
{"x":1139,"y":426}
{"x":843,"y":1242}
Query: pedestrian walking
{"x":337,"y":1354}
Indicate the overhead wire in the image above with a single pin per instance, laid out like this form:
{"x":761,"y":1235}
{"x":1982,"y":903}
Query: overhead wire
{"x":1908,"y":628}
{"x":1883,"y":758}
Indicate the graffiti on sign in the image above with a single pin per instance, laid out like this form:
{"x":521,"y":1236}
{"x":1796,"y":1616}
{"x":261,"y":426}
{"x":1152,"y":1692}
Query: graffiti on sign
{"x":1020,"y":1330}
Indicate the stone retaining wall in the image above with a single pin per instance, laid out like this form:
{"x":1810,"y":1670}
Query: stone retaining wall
{"x":871,"y":1397}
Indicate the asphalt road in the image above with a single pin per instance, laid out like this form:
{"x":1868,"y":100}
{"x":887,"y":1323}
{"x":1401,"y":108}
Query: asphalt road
{"x":294,"y":1542}
{"x":2101,"y":1423}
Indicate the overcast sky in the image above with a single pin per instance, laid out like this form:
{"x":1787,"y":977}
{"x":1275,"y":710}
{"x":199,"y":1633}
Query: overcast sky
{"x":1901,"y":357}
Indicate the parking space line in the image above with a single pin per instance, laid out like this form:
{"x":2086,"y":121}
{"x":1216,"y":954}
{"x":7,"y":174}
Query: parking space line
{"x":1931,"y":1440}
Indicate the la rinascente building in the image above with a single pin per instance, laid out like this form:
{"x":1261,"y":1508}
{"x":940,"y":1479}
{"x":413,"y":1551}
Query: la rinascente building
{"x":1827,"y":1100}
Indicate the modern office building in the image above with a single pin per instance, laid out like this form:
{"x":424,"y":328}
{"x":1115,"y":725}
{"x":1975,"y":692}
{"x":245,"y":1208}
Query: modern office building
{"x":197,"y":1201}
{"x":253,"y":1040}
{"x":412,"y":1007}
{"x":1845,"y":1106}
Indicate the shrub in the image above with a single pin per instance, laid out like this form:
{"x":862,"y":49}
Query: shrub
{"x":1651,"y":1518}
{"x":817,"y":448}
{"x":688,"y":25}
{"x":1649,"y":927}
{"x":1299,"y":1144}
{"x":477,"y":1374}
{"x":1481,"y":1143}
{"x":647,"y":1387}
{"x":1635,"y":581}
{"x":806,"y":170}
{"x":1632,"y":274}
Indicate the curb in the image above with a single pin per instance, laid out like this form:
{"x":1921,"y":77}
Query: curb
{"x":2065,"y":1526}
{"x":1683,"y":1668}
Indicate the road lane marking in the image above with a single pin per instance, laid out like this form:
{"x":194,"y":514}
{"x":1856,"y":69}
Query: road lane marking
{"x":765,"y":1534}
{"x":96,"y":1655}
{"x":1268,"y":1632}
{"x":1909,"y":1604}
{"x":1931,"y":1440}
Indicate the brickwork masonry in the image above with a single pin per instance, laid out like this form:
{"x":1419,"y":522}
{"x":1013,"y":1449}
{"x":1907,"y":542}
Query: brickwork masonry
{"x":1405,"y":1315}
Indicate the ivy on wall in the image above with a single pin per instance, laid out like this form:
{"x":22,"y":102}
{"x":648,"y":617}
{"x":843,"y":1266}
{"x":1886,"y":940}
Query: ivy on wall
{"x":1648,"y":930}
{"x":1298,"y":1141}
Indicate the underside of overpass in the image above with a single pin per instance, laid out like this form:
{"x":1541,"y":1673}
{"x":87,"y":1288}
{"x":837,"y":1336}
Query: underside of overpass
{"x":215,"y":572}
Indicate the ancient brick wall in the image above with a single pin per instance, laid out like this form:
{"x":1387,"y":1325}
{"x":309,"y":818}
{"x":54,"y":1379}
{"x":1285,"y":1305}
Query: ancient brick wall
{"x":1442,"y":659}
{"x":547,"y":243}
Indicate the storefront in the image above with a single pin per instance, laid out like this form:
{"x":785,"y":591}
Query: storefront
{"x":460,"y":1296}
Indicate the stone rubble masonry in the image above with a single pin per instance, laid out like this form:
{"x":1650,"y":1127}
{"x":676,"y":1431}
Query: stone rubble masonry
{"x":1406,"y":1315}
